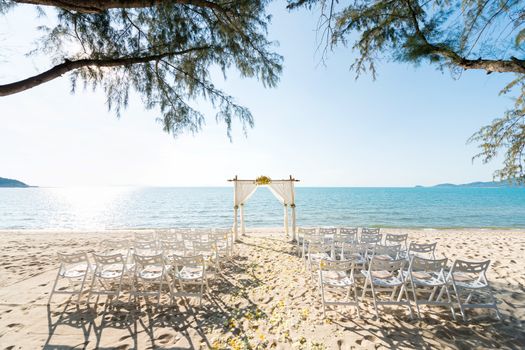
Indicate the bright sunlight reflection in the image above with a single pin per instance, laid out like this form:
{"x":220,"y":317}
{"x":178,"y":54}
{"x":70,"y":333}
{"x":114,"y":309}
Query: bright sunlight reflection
{"x":87,"y":207}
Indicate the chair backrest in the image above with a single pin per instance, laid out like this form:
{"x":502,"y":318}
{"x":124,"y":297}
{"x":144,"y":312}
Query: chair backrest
{"x":167,"y":235}
{"x":113,"y":259}
{"x":145,"y":248}
{"x":72,"y":259}
{"x":390,"y":250}
{"x":394,"y":239}
{"x":336,"y":265}
{"x":144,"y":236}
{"x":370,"y":238}
{"x":421,"y":264}
{"x":387,"y":265}
{"x":467,"y":271}
{"x":313,"y":237}
{"x":142,"y":261}
{"x":206,"y":247}
{"x":327,"y":230}
{"x":172,"y":248}
{"x":110,"y":246}
{"x":422,"y":249}
{"x":306,"y":230}
{"x":474,"y":267}
{"x":346,"y":235}
{"x":348,"y":231}
{"x":370,"y":230}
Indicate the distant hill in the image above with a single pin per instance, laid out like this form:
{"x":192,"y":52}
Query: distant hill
{"x":11,"y":183}
{"x":481,"y":184}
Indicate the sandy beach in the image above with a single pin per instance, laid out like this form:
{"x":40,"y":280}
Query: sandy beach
{"x":264,"y":298}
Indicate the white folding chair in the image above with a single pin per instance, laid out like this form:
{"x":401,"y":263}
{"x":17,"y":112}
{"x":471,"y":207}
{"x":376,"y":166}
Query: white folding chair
{"x":188,"y":271}
{"x":423,"y":250}
{"x":221,"y":241}
{"x":75,"y":268}
{"x":316,"y":252}
{"x":471,"y":287}
{"x":427,"y":277}
{"x":228,"y":234}
{"x":386,"y":276}
{"x":343,"y":236}
{"x":310,"y":237}
{"x":337,"y":275}
{"x":301,"y":233}
{"x":109,"y":273}
{"x":150,"y":271}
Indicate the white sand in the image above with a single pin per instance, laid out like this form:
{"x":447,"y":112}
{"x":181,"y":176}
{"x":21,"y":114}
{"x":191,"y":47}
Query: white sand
{"x":264,"y":298}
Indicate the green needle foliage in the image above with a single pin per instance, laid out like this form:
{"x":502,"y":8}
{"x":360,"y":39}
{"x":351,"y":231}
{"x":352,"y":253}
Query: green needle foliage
{"x":163,"y":50}
{"x":450,"y":34}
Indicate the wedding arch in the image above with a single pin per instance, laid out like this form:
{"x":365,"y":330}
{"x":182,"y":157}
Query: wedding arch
{"x":283,"y":190}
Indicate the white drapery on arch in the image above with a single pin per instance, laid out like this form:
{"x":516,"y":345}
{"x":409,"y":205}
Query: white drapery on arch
{"x":283,"y":190}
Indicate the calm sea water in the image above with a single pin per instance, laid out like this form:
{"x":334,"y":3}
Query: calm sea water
{"x":126,"y":207}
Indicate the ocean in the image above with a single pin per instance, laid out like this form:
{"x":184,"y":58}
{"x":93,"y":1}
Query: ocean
{"x":156,"y":207}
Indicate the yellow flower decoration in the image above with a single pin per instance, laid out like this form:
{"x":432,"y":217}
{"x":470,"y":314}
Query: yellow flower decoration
{"x":263,"y":180}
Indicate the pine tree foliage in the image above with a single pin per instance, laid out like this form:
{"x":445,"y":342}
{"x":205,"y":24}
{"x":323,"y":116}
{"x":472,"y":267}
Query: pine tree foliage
{"x":162,"y":50}
{"x":452,"y":34}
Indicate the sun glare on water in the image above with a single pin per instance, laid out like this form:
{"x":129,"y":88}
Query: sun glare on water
{"x":87,"y":207}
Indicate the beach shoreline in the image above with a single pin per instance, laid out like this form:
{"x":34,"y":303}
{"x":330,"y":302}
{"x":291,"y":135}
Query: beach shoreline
{"x":263,"y":298}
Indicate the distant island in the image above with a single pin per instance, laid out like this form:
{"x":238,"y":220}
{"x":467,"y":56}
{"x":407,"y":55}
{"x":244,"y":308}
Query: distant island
{"x":480,"y":184}
{"x":12,"y":183}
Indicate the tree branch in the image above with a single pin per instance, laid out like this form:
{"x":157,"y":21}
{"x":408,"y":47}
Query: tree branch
{"x":97,"y":6}
{"x":513,"y":65}
{"x":67,"y":66}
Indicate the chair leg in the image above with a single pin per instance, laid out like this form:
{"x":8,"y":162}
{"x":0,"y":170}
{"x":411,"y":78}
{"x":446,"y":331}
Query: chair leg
{"x":493,"y":300}
{"x":415,"y":299}
{"x":322,"y":298}
{"x":53,"y":289}
{"x":374,"y":298}
{"x":449,"y":300}
{"x":404,"y":289}
{"x":461,"y":309}
{"x":364,"y":288}
{"x":356,"y":301}
{"x":81,"y":288}
{"x":160,"y":291}
{"x":91,"y":290}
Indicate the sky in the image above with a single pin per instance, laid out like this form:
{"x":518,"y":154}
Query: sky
{"x":408,"y":127}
